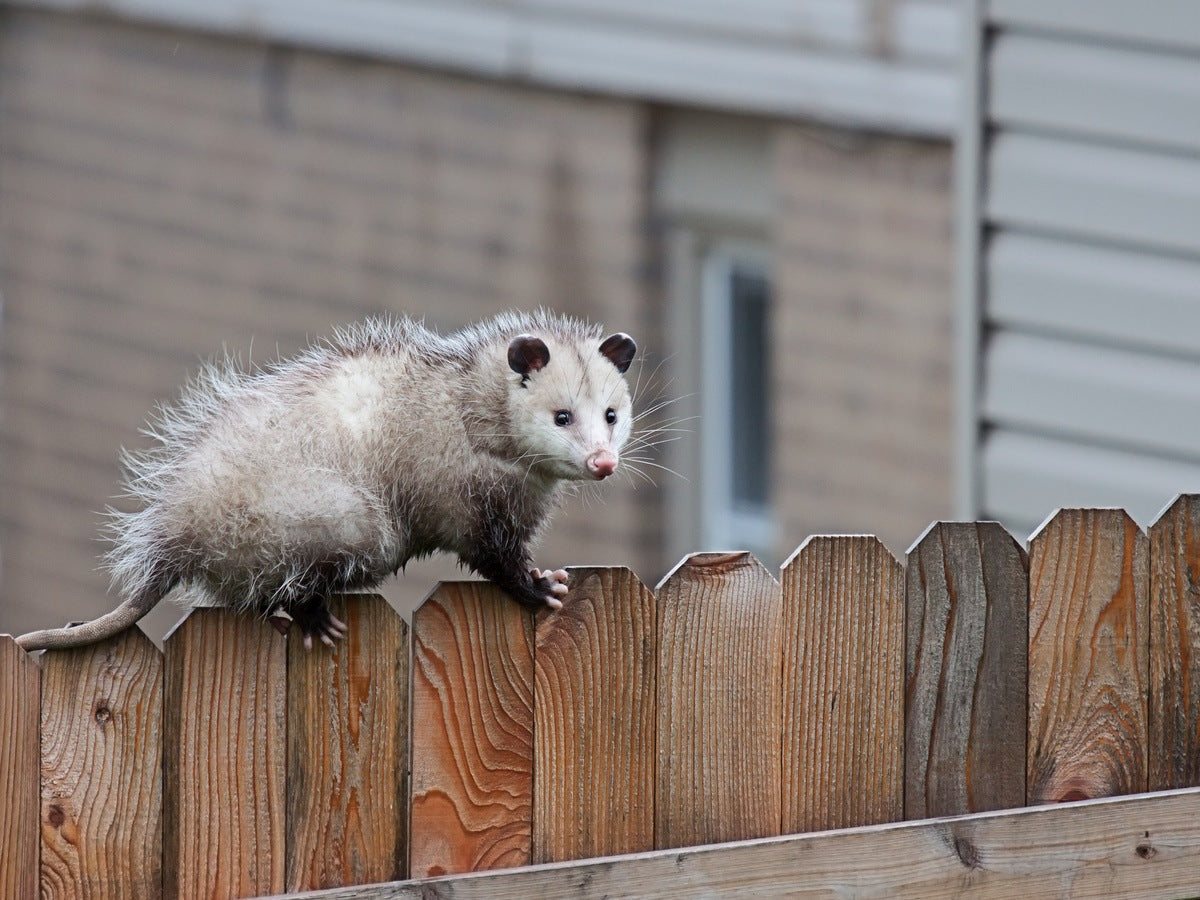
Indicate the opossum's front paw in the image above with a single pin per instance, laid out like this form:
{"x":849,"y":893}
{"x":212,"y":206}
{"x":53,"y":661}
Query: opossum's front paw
{"x":551,"y":586}
{"x":315,"y":620}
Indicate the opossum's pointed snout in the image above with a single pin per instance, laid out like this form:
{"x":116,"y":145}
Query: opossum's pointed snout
{"x":601,"y":464}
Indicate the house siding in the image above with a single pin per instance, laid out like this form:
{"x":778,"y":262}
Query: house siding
{"x":1087,"y":245}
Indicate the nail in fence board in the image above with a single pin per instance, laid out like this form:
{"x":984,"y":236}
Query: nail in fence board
{"x":718,"y":774}
{"x":225,"y":752}
{"x":348,"y":751}
{"x":101,"y":788}
{"x":965,"y":671}
{"x":594,"y":720}
{"x":1175,"y":646}
{"x":843,"y":700}
{"x":1088,"y":646}
{"x":20,"y":690}
{"x":472,"y":731}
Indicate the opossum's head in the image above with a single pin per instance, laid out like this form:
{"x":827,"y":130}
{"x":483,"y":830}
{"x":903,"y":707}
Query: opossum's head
{"x":570,"y":406}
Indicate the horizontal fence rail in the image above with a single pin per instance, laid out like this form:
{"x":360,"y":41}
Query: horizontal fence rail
{"x":724,"y":705}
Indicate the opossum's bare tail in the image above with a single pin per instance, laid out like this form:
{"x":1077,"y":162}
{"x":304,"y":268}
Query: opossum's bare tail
{"x":107,"y":625}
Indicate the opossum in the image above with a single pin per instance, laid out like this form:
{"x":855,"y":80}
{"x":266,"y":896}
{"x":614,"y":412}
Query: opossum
{"x":273,"y":488}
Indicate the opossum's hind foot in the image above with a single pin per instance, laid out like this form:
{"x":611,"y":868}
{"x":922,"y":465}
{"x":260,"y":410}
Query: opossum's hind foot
{"x":551,"y":585}
{"x":314,"y":619}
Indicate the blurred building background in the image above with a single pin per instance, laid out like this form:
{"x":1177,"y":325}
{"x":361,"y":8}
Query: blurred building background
{"x":1080,"y":266}
{"x":760,"y":192}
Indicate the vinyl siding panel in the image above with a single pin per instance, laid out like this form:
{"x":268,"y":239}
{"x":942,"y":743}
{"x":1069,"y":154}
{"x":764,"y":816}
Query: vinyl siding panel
{"x":1093,"y":90}
{"x":1088,"y":248}
{"x":1085,"y":292}
{"x":1159,"y":23}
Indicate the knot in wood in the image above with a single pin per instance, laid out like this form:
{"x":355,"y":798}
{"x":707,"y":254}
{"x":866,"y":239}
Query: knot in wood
{"x":967,"y":852}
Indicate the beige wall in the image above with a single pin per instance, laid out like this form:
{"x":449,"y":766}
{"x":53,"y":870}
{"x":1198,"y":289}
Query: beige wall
{"x":863,"y":334}
{"x":164,"y":195}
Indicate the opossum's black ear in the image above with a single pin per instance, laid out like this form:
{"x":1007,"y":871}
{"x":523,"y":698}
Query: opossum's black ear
{"x":620,"y":350}
{"x":527,"y":353}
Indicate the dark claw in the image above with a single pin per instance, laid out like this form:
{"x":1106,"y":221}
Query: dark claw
{"x":315,"y":620}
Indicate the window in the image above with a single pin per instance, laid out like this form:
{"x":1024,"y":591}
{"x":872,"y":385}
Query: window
{"x":736,"y":400}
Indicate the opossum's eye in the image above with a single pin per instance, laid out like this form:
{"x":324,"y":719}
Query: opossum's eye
{"x":610,"y":416}
{"x":562,"y":418}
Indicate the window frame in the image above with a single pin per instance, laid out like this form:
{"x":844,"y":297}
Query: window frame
{"x":726,"y":523}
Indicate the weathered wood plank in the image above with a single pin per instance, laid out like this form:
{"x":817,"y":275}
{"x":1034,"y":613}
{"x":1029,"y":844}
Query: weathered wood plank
{"x":472,"y":731}
{"x":965,"y":672}
{"x":843,"y":684}
{"x":224,"y":756}
{"x":1088,"y":666}
{"x":20,"y":701}
{"x":594,"y":720}
{"x":101,"y":780}
{"x":1145,"y":847}
{"x":1174,"y":707}
{"x":348,"y":751}
{"x":718,"y":744}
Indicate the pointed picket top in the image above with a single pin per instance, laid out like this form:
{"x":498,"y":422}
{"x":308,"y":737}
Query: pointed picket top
{"x":965,"y":670}
{"x":825,"y":538}
{"x":1093,"y":511}
{"x":595,"y":716}
{"x":718,"y":737}
{"x":472,"y":731}
{"x":1174,"y":600}
{"x":1088,"y":656}
{"x":348,"y":750}
{"x":713,"y":563}
{"x":20,"y":714}
{"x":843,"y":684}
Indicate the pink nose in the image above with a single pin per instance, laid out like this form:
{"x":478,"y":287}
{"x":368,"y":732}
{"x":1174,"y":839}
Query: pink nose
{"x":601,"y":464}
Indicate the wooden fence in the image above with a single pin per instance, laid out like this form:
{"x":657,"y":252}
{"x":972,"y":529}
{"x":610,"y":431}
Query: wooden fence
{"x":723,"y":706}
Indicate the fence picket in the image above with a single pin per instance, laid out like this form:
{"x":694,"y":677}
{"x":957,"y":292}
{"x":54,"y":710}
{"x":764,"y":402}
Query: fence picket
{"x":966,"y":671}
{"x":1088,"y":645}
{"x":225,"y":750}
{"x":594,"y":715}
{"x":723,"y":706}
{"x":843,"y":700}
{"x":718,"y":744}
{"x":472,"y":731}
{"x":348,"y":751}
{"x":102,"y":769}
{"x":20,"y":693}
{"x":1174,"y":709}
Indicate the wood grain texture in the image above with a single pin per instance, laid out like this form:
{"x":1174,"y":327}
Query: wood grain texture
{"x":1088,"y":646}
{"x":224,"y":757}
{"x":20,"y":703}
{"x":594,"y":719}
{"x":1134,"y":848}
{"x":843,"y":684}
{"x":965,"y":671}
{"x":1174,"y":702}
{"x":348,"y":751}
{"x":472,"y":731}
{"x":101,"y":780}
{"x":718,"y":744}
